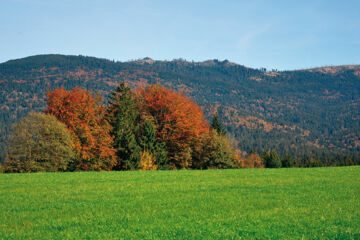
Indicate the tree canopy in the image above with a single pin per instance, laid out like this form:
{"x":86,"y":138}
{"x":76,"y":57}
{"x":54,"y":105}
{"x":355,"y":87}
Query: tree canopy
{"x":39,"y":143}
{"x":84,"y":115}
{"x":123,"y":115}
{"x":178,"y":121}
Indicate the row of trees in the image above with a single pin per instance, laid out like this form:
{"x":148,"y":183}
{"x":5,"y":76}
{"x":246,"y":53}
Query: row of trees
{"x":271,"y":159}
{"x":268,"y":159}
{"x":147,"y":128}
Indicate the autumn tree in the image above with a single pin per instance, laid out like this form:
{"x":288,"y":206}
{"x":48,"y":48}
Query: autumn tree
{"x":83,"y":114}
{"x":178,"y":120}
{"x":147,"y":161}
{"x":124,"y":115}
{"x":220,"y":153}
{"x":253,"y":161}
{"x":214,"y":150}
{"x":39,"y":143}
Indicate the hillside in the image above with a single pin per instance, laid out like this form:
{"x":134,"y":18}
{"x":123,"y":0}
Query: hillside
{"x":300,"y":112}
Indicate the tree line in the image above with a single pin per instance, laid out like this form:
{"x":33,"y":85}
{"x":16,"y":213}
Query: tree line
{"x":143,"y":129}
{"x":150,"y":128}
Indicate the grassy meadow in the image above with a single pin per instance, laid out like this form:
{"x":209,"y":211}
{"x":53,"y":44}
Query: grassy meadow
{"x":317,"y":203}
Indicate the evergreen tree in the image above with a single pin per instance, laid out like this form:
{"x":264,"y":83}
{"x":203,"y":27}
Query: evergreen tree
{"x":127,"y":148}
{"x":148,"y":143}
{"x":265,"y":156}
{"x":123,"y":116}
{"x":287,"y":161}
{"x":271,"y":159}
{"x":217,"y":125}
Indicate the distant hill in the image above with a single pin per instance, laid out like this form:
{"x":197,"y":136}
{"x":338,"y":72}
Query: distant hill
{"x":312,"y":111}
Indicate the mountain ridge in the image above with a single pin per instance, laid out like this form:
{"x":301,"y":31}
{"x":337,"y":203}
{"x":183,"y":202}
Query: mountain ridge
{"x":305,"y":111}
{"x":207,"y":62}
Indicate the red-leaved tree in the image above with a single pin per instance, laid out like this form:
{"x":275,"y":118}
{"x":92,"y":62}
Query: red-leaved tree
{"x":83,"y":114}
{"x":179,"y":122}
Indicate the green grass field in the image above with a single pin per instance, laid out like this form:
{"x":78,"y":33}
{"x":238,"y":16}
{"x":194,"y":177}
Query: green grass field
{"x":318,"y":203}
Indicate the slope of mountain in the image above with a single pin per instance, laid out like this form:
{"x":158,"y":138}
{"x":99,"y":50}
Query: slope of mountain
{"x":300,"y":112}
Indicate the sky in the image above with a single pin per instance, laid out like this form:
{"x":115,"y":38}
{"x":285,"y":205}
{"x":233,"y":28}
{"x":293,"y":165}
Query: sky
{"x":283,"y":35}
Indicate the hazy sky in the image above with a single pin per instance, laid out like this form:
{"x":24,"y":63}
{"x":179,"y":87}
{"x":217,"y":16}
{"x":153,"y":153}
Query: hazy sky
{"x":288,"y":34}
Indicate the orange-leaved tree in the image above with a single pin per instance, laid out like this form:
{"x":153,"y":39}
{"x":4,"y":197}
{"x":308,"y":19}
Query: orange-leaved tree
{"x":179,"y":122}
{"x":83,"y":114}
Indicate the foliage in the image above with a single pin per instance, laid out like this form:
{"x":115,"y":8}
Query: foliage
{"x":253,"y":161}
{"x":287,"y":161}
{"x":148,"y":142}
{"x":214,"y":151}
{"x":147,"y":161}
{"x":123,"y":116}
{"x":271,"y":159}
{"x":312,"y":162}
{"x":39,"y":143}
{"x":309,"y":112}
{"x":83,"y":114}
{"x":217,"y":125}
{"x":179,"y":122}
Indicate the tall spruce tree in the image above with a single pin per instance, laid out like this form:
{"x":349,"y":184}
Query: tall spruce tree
{"x":148,"y":143}
{"x":217,"y":125}
{"x":123,"y":116}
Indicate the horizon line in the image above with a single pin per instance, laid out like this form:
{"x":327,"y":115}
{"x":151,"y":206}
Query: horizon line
{"x":180,"y":59}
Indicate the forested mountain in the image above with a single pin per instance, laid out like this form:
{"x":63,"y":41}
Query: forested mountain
{"x":303,"y":112}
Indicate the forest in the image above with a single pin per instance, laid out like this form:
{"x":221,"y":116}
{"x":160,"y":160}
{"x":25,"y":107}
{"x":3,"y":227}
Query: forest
{"x":311,"y":115}
{"x":144,"y":129}
{"x":151,"y":128}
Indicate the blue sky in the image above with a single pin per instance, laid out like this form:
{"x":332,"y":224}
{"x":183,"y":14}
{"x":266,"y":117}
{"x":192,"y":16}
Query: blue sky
{"x":273,"y":34}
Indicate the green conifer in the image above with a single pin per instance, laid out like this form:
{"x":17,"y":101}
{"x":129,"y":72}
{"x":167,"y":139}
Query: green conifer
{"x":217,"y":125}
{"x":123,"y":115}
{"x":147,"y":142}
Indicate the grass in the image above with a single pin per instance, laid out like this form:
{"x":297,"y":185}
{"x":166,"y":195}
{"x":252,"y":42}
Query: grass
{"x":318,"y":203}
